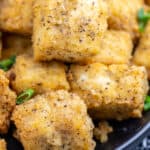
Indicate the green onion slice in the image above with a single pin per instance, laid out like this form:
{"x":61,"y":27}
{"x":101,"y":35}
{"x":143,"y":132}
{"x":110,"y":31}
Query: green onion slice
{"x":7,"y":63}
{"x":147,"y":103}
{"x":25,"y":96}
{"x":143,"y":18}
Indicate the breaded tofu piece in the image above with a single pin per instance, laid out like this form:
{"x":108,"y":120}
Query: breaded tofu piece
{"x":142,"y":53}
{"x":116,"y":48}
{"x":123,"y":15}
{"x":16,"y":16}
{"x":7,"y":102}
{"x":55,"y":121}
{"x":15,"y":45}
{"x":2,"y":144}
{"x":68,"y":30}
{"x":42,"y":77}
{"x":110,"y":91}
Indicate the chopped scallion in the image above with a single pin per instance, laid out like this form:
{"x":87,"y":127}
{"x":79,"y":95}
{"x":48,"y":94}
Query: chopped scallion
{"x":7,"y":63}
{"x":25,"y":96}
{"x":147,"y":103}
{"x":143,"y":18}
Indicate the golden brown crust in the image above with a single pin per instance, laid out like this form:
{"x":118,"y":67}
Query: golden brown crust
{"x":69,"y":31}
{"x":42,"y":77}
{"x":110,"y":92}
{"x":142,"y":54}
{"x":115,"y":48}
{"x":56,"y":120}
{"x":7,"y":104}
{"x":123,"y":15}
{"x":2,"y":144}
{"x":16,"y":16}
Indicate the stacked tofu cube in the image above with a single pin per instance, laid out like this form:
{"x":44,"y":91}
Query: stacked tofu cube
{"x":16,"y":16}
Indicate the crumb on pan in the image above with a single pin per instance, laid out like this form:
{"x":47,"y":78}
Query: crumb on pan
{"x":101,"y":132}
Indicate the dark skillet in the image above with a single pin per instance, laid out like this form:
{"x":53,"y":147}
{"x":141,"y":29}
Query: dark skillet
{"x":126,"y":135}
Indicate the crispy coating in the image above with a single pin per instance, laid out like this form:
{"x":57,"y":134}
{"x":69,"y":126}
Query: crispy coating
{"x":54,"y":121}
{"x":7,"y":102}
{"x":123,"y":15}
{"x":15,"y":45}
{"x":116,"y":48}
{"x":110,"y":92}
{"x":142,"y":53}
{"x":68,"y":30}
{"x":41,"y":77}
{"x":16,"y":16}
{"x":2,"y":144}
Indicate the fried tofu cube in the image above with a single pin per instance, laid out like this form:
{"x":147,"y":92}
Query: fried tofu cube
{"x":2,"y":144}
{"x":116,"y":48}
{"x":15,"y":45}
{"x":68,"y":30}
{"x":56,"y":120}
{"x":16,"y":16}
{"x":142,"y":53}
{"x":110,"y":91}
{"x":42,"y":77}
{"x":123,"y":15}
{"x":7,"y":102}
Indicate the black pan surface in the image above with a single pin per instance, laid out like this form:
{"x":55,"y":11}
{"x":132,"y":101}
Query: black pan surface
{"x":127,"y":134}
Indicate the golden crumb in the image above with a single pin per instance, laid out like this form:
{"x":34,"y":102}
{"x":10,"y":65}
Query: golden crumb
{"x":102,"y":131}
